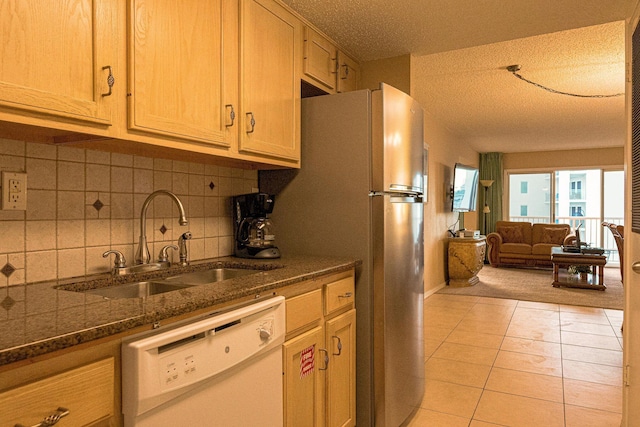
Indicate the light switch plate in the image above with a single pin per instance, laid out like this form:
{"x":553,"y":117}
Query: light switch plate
{"x":14,"y":191}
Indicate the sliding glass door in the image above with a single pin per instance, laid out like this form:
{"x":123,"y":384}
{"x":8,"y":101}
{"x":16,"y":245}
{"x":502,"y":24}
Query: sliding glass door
{"x":581,"y":198}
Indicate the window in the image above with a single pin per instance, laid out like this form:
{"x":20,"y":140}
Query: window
{"x":580,"y":198}
{"x":533,"y":192}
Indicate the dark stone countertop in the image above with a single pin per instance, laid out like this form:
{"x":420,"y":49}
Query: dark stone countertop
{"x":44,"y":317}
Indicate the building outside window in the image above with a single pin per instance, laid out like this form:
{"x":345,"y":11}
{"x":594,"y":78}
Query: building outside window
{"x":580,"y":198}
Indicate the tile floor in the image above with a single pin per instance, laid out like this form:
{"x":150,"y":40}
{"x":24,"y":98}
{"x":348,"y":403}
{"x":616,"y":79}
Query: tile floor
{"x":498,"y":362}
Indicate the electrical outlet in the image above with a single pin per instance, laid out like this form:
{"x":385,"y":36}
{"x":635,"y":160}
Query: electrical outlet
{"x":14,"y":191}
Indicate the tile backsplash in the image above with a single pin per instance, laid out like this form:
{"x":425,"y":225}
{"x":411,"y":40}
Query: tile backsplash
{"x":81,"y":203}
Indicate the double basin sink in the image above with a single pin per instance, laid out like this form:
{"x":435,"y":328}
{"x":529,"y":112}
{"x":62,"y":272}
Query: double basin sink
{"x":158,"y":286}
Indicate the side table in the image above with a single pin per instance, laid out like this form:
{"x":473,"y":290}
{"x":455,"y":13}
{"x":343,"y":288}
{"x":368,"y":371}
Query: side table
{"x":466,"y":259}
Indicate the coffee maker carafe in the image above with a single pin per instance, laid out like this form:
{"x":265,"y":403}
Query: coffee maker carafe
{"x":254,"y":232}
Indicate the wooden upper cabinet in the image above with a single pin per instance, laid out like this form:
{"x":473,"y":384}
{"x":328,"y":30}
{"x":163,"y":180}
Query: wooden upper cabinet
{"x":175,"y":69}
{"x":271,"y":47}
{"x":57,"y":57}
{"x":320,"y":60}
{"x":348,"y":70}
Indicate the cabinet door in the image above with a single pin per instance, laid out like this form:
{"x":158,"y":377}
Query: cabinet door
{"x":341,"y":387}
{"x":57,"y":57}
{"x":175,"y":69}
{"x":271,"y":40}
{"x":303,"y":380}
{"x":348,"y":70}
{"x":320,"y":60}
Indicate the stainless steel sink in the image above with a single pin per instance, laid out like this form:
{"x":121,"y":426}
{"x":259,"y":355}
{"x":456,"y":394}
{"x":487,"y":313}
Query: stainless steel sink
{"x":209,"y":276}
{"x":136,"y":290}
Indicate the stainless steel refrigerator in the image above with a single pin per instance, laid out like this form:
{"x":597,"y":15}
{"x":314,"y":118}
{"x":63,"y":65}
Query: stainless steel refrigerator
{"x":359,"y":194}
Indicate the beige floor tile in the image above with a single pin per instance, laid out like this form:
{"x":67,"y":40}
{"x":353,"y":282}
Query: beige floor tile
{"x":592,"y":355}
{"x":449,"y":398}
{"x":585,"y":417}
{"x":591,"y":372}
{"x":452,"y":371}
{"x":451,"y":301}
{"x":599,"y":318}
{"x":538,"y":333}
{"x":528,"y":322}
{"x":498,"y":301}
{"x":614,"y":314}
{"x":518,"y":411}
{"x":436,"y":333}
{"x":595,"y":396}
{"x":492,"y":309}
{"x":539,"y":305}
{"x":466,"y":353}
{"x":529,"y":346}
{"x":475,"y":339}
{"x":526,"y":384}
{"x":495,"y":327}
{"x":529,"y":363}
{"x":430,"y":346}
{"x":581,"y":309}
{"x":427,"y":418}
{"x":591,"y":340}
{"x":588,"y":328}
{"x":475,"y":423}
{"x":443,"y":317}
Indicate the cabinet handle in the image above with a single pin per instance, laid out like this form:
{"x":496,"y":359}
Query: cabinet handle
{"x":110,"y":79}
{"x":252,"y":122}
{"x":339,"y":345}
{"x":346,"y":72}
{"x":326,"y":360}
{"x":346,"y":295}
{"x":232,"y":115}
{"x":50,"y":420}
{"x":336,"y":66}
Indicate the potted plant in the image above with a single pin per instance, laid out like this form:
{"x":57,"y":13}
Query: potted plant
{"x":582,"y":270}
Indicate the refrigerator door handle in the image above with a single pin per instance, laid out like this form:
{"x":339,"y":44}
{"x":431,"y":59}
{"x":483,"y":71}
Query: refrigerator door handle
{"x":404,"y":197}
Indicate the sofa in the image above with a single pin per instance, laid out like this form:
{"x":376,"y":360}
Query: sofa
{"x":526,"y":244}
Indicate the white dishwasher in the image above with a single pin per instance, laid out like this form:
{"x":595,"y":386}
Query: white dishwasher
{"x":221,"y":369}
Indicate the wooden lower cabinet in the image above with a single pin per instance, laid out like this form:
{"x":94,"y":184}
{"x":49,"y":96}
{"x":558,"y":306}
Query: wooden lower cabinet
{"x":319,"y":356}
{"x":340,"y":338}
{"x":303,"y":390}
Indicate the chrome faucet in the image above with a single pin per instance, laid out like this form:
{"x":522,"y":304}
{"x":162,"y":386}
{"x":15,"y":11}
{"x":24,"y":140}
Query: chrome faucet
{"x":142,"y":254}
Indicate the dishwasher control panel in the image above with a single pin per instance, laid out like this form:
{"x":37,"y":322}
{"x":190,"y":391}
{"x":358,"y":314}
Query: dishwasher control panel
{"x":160,"y":366}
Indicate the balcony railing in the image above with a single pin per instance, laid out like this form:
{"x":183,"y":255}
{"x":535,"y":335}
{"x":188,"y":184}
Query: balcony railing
{"x":591,"y":231}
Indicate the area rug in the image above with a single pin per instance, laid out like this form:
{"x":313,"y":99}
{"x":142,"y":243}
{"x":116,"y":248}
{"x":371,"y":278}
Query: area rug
{"x":535,"y":285}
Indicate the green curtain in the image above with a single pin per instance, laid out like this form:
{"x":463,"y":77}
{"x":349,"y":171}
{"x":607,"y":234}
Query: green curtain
{"x":491,"y":168}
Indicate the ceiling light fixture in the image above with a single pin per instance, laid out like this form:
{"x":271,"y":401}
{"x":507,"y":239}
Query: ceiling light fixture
{"x":513,"y":69}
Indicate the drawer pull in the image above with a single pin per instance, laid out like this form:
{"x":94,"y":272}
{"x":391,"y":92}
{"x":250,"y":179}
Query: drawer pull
{"x":339,"y":345}
{"x":346,"y":295}
{"x":50,"y":420}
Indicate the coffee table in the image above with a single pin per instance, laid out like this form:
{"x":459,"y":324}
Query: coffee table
{"x":594,"y":280}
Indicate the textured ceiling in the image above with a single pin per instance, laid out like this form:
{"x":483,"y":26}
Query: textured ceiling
{"x":461,"y":49}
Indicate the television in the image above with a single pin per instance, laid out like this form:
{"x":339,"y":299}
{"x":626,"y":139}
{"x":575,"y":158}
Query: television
{"x":465,"y":188}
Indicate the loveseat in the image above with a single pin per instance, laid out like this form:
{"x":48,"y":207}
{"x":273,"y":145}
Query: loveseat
{"x":526,"y":244}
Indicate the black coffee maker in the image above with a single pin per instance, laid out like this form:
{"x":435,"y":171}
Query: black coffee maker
{"x":254,"y":232}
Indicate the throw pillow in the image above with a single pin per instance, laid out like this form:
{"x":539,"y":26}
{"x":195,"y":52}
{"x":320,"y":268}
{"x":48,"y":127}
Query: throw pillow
{"x":511,"y":234}
{"x":553,"y":235}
